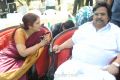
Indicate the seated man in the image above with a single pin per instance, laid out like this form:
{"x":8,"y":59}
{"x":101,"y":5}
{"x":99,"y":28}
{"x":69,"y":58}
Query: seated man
{"x":96,"y":49}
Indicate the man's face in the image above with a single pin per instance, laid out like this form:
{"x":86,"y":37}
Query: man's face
{"x":100,"y":17}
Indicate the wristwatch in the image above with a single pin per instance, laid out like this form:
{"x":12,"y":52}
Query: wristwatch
{"x":116,"y":64}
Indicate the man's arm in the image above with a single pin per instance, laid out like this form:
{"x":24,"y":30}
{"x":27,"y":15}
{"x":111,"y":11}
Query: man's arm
{"x":113,"y":68}
{"x":117,"y":60}
{"x":67,"y":44}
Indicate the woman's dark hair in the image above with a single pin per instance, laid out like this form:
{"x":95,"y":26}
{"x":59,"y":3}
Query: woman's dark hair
{"x":103,"y":4}
{"x":29,"y":19}
{"x":57,"y":28}
{"x":68,"y":24}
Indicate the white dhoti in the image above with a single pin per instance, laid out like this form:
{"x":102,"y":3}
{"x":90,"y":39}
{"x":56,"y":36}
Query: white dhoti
{"x":74,"y":70}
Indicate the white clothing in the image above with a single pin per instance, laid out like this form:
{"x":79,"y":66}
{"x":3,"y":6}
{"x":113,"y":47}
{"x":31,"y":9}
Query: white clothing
{"x":50,"y":2}
{"x":98,"y":48}
{"x":93,"y":50}
{"x":35,"y":11}
{"x":74,"y":70}
{"x":23,"y":9}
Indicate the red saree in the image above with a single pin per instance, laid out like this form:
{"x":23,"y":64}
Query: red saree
{"x":10,"y":60}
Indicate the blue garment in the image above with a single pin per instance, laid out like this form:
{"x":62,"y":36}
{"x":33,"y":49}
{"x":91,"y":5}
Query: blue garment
{"x":83,"y":15}
{"x":115,"y":18}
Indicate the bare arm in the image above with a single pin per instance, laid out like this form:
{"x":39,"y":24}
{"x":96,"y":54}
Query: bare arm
{"x":21,"y":47}
{"x":113,"y":68}
{"x":118,"y":59}
{"x":23,"y":51}
{"x":67,"y":44}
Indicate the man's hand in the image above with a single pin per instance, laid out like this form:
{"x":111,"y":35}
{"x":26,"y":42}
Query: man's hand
{"x":114,"y":70}
{"x":56,"y":49}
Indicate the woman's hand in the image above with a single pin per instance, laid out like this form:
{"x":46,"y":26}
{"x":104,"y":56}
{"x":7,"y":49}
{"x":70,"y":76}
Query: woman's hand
{"x":46,"y":39}
{"x":47,"y":36}
{"x":57,"y":49}
{"x":43,"y":42}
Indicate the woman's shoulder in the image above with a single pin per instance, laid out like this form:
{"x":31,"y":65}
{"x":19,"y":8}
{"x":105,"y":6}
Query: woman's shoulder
{"x":20,"y":35}
{"x":20,"y":30}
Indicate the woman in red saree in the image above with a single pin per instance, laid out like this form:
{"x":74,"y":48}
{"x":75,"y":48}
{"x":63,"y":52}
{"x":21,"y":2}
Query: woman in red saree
{"x":25,"y":41}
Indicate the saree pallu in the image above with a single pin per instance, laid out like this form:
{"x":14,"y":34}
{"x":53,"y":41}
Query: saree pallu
{"x":12,"y":65}
{"x":16,"y":74}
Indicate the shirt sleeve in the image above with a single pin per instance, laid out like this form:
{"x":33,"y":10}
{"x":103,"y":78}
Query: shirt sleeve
{"x":75,"y":36}
{"x":118,"y":41}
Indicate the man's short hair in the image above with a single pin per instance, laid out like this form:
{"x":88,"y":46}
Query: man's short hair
{"x":103,"y":4}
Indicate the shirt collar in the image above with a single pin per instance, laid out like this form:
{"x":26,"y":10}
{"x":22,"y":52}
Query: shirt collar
{"x":105,"y":28}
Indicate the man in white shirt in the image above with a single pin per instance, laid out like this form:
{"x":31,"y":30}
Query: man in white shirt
{"x":95,"y":45}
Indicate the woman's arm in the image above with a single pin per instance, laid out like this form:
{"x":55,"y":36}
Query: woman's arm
{"x":20,"y":44}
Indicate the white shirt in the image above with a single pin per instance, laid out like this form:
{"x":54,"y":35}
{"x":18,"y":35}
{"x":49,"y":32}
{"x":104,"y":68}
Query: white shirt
{"x":50,"y":2}
{"x":97,"y":48}
{"x":23,"y":9}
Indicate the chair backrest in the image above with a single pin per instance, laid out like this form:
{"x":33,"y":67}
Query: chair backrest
{"x":5,"y":36}
{"x":43,"y":61}
{"x":59,"y":39}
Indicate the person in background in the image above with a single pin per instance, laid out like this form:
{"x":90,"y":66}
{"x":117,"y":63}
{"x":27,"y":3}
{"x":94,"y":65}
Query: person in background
{"x":115,"y":18}
{"x":25,"y":41}
{"x":59,"y":27}
{"x":77,"y":5}
{"x":84,"y":15}
{"x":22,"y":8}
{"x":50,"y":4}
{"x":89,"y":3}
{"x":96,"y":49}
